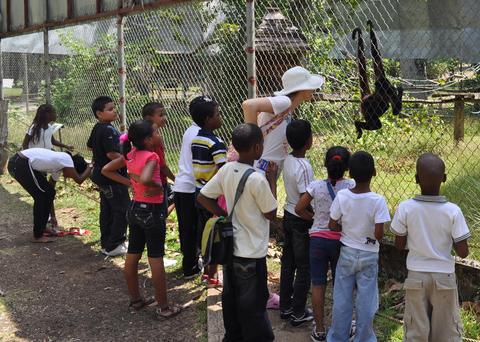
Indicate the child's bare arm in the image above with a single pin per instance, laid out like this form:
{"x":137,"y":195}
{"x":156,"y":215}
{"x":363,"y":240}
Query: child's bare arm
{"x":461,"y":248}
{"x":252,"y":107}
{"x":271,"y":216}
{"x":334,"y":225}
{"x":303,"y":205}
{"x":110,"y":171}
{"x":271,"y":175}
{"x":55,"y":142}
{"x":400,"y":242}
{"x":114,"y":155}
{"x":379,"y":231}
{"x":70,"y":172}
{"x":211,"y":205}
{"x":167,"y":172}
{"x":146,"y":177}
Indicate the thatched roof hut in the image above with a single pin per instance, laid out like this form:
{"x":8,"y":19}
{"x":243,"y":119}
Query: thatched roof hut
{"x":279,"y":46}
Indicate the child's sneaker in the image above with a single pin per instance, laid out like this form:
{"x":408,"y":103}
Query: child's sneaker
{"x":121,"y":249}
{"x":286,"y":314}
{"x":306,"y":317}
{"x":318,"y":336}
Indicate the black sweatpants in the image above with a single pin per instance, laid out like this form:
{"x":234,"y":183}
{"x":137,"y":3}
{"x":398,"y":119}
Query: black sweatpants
{"x":244,"y":301}
{"x":188,"y":232}
{"x":37,"y":185}
{"x":114,"y":202}
{"x":295,"y":270}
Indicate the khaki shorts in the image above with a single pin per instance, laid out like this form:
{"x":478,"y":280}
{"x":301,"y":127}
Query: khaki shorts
{"x":432,"y":312}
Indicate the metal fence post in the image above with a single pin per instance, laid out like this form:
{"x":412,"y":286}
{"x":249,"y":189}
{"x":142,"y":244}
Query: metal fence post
{"x":250,"y":50}
{"x":46,"y":65}
{"x":121,"y":72}
{"x":3,"y":120}
{"x":459,"y":119}
{"x":25,"y":82}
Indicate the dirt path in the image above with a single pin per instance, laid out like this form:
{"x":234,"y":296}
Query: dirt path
{"x":65,"y":291}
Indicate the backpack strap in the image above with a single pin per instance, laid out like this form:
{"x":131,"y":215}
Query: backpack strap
{"x":240,"y":188}
{"x":330,"y":189}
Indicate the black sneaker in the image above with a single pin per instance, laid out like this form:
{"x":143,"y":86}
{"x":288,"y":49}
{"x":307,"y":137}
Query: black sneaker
{"x":318,"y":336}
{"x":286,"y":314}
{"x":306,"y":317}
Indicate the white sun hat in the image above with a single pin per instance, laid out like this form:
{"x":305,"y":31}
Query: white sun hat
{"x":298,"y":78}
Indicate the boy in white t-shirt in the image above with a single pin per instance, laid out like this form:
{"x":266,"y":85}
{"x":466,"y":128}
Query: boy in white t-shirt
{"x":295,"y":270}
{"x":430,"y":225}
{"x":245,"y":290}
{"x":363,"y":214}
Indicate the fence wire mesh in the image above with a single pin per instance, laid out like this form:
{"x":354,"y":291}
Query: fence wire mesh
{"x":175,"y":53}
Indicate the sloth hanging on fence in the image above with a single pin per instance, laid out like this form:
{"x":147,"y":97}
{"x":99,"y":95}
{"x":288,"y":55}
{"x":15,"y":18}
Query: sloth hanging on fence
{"x":373,"y":106}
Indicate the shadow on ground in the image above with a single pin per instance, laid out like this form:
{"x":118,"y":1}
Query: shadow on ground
{"x":65,"y":291}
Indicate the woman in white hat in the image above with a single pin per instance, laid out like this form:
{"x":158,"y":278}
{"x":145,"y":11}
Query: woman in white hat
{"x":272,"y":114}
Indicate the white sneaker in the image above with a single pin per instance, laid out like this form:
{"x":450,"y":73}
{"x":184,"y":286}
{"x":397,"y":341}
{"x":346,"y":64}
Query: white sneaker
{"x":121,"y":249}
{"x":169,"y":262}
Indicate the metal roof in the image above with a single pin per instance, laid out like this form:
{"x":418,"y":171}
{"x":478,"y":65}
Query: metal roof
{"x":19,"y":17}
{"x":409,"y":29}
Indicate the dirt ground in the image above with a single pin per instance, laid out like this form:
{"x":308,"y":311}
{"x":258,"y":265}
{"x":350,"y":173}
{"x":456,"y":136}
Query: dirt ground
{"x":67,"y":291}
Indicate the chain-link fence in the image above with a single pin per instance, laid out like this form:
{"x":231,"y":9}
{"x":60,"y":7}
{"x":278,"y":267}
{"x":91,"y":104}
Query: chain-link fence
{"x":175,"y":53}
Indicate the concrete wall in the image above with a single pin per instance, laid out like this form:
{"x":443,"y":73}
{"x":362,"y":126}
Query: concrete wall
{"x":393,"y":263}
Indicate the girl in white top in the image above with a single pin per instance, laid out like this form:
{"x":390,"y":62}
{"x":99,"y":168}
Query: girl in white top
{"x":272,"y":114}
{"x":40,"y":133}
{"x":324,"y":243}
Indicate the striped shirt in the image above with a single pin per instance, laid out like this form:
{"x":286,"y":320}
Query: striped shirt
{"x":208,"y":151}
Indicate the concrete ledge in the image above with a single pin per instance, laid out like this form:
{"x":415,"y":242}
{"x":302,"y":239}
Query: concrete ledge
{"x":214,"y":315}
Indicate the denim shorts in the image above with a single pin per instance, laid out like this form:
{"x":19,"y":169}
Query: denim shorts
{"x":147,"y":227}
{"x":323,"y":253}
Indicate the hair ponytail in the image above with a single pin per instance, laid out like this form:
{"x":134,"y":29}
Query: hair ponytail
{"x":126,"y":148}
{"x":336,"y":162}
{"x":40,"y":120}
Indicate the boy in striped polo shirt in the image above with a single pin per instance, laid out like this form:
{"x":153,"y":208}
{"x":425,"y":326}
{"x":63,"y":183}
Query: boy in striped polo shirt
{"x":209,"y":153}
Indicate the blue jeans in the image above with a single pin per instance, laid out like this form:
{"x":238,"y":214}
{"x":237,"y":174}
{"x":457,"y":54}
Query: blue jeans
{"x":354,"y":268}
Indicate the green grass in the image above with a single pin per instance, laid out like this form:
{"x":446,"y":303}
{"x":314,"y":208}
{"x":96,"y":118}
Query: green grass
{"x":12,"y":92}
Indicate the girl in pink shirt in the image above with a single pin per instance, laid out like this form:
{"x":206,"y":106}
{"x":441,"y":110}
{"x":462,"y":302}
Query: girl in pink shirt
{"x":324,"y":243}
{"x":145,"y":215}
